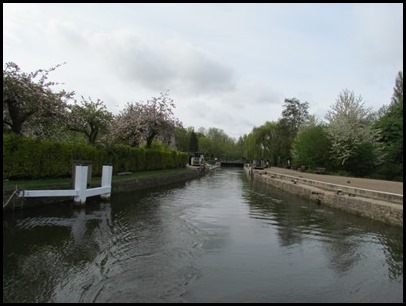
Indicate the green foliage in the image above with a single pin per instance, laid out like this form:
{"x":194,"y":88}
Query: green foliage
{"x":350,"y":132}
{"x":89,"y":118}
{"x":154,"y":160}
{"x":32,"y":158}
{"x":311,"y":147}
{"x":397,"y":97}
{"x":295,"y":113}
{"x":193,"y":142}
{"x":182,"y":137}
{"x":363,"y":161}
{"x":159,"y":145}
{"x":389,"y":171}
{"x":283,"y":138}
{"x":122,"y":159}
{"x":215,"y":143}
{"x":273,"y":140}
{"x":390,"y":128}
{"x":260,"y":143}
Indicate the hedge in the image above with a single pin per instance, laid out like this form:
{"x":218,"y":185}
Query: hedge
{"x":27,"y":158}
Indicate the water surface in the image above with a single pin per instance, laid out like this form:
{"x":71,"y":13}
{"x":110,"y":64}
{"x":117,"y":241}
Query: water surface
{"x":220,"y":238}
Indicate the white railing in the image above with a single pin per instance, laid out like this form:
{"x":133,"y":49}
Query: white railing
{"x":80,"y":191}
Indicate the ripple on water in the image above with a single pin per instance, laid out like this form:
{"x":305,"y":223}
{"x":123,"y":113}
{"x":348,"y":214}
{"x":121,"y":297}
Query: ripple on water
{"x":217,"y":238}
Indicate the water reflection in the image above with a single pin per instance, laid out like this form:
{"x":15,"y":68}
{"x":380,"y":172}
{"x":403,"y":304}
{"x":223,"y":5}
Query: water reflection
{"x":346,"y":239}
{"x":220,"y":238}
{"x":46,"y":245}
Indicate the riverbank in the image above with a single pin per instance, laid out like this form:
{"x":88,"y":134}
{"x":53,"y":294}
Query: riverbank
{"x":362,"y":197}
{"x":153,"y":181}
{"x":120,"y":183}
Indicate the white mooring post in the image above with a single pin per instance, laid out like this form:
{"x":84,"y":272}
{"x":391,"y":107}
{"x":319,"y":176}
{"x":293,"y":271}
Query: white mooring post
{"x":80,"y":184}
{"x":107,"y":173}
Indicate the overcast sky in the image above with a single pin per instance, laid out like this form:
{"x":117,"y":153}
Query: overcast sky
{"x":228,"y":66}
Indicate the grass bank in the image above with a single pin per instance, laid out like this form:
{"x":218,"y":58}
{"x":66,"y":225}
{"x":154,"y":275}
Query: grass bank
{"x":66,"y":182}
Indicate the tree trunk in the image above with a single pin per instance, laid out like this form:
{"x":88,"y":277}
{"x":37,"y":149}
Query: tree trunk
{"x":149,"y":140}
{"x":16,"y":124}
{"x":93,"y":136}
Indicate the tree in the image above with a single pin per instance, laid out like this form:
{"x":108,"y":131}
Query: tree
{"x":193,"y":142}
{"x":260,"y":143}
{"x":89,"y":118}
{"x":217,"y":144}
{"x":282,"y":142}
{"x":145,"y":121}
{"x":311,"y":147}
{"x":390,"y":128}
{"x":397,"y":97}
{"x":350,"y":131}
{"x":30,"y":107}
{"x":239,"y":148}
{"x":182,"y":139}
{"x":295,"y":113}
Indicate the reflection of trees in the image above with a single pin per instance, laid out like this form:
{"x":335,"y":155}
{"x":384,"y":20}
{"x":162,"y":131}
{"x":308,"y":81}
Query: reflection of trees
{"x":66,"y":255}
{"x":30,"y":262}
{"x":394,"y":256}
{"x":44,"y":246}
{"x":339,"y":232}
{"x":392,"y":241}
{"x":264,"y":202}
{"x":343,"y":254}
{"x":346,"y":250}
{"x":348,"y":245}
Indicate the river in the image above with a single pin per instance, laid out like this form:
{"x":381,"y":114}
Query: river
{"x":219,"y":238}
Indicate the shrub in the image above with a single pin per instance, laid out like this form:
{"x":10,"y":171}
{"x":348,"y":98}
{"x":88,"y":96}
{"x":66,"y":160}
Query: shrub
{"x":31,"y":158}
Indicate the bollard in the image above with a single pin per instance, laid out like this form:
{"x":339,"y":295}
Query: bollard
{"x":80,"y":184}
{"x":82,"y":163}
{"x":107,"y":173}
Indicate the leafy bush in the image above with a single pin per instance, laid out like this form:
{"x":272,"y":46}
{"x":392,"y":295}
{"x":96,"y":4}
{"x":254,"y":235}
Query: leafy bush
{"x":32,"y":158}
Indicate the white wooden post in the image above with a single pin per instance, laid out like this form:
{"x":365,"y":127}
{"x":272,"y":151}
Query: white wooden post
{"x":107,"y":173}
{"x":80,"y":184}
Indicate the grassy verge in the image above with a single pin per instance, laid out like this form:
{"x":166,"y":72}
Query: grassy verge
{"x":66,"y":182}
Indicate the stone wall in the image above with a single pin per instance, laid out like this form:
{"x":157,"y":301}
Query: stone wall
{"x":120,"y":186}
{"x":153,"y":181}
{"x":385,"y":211}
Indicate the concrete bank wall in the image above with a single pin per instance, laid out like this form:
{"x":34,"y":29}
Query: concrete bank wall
{"x":385,"y":211}
{"x":153,"y":181}
{"x":120,"y":186}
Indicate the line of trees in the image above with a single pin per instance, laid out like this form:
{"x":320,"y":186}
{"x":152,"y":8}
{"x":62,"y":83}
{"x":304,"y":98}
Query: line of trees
{"x":212,"y":142}
{"x":31,"y":108}
{"x":352,"y":139}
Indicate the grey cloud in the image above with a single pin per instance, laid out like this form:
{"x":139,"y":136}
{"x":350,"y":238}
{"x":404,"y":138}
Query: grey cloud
{"x":237,"y":112}
{"x":154,"y":62}
{"x":251,"y":94}
{"x":68,"y":32}
{"x":161,"y":64}
{"x":208,"y":75}
{"x":144,"y":66}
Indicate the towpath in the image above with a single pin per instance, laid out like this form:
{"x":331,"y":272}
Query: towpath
{"x":378,"y":185}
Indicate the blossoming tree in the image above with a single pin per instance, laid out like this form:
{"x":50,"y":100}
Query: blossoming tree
{"x":30,"y":107}
{"x":144,"y":121}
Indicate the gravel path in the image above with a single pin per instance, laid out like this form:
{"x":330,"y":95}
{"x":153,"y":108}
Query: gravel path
{"x":379,"y":185}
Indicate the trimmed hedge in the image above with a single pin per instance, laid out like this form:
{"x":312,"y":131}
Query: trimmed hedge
{"x":32,"y":158}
